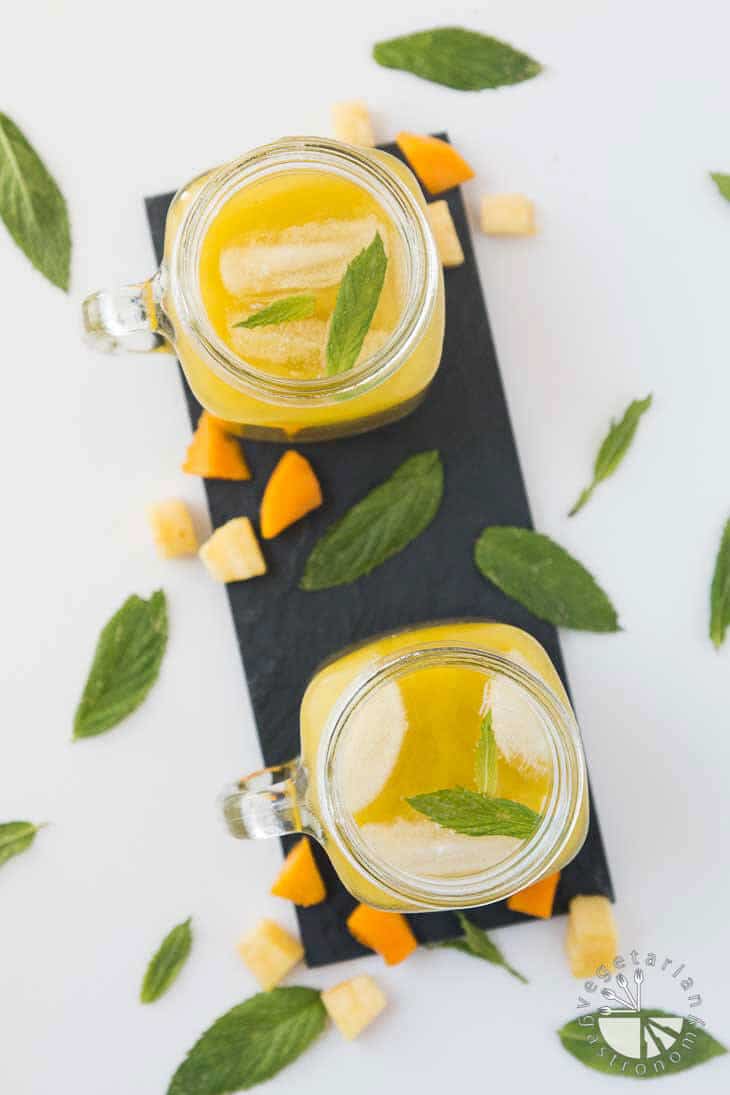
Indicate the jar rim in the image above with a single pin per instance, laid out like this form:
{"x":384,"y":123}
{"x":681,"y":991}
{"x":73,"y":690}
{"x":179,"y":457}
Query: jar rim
{"x":532,"y":859}
{"x":320,"y":154}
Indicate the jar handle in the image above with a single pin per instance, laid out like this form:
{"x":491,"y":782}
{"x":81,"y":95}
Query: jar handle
{"x":130,"y":318}
{"x":269,"y":803}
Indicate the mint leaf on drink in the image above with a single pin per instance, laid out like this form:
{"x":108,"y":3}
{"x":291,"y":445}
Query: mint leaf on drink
{"x":720,"y":591}
{"x":32,"y":207}
{"x":543,"y":577}
{"x":251,"y":1042}
{"x":458,"y":58}
{"x":126,"y":664}
{"x":167,"y":962}
{"x":357,"y":299}
{"x":485,"y":767}
{"x":382,"y":524}
{"x":583,"y":1039}
{"x":472,"y":814}
{"x":281,"y":311}
{"x":16,"y":837}
{"x":477,"y":943}
{"x":722,"y":182}
{"x":613,"y":448}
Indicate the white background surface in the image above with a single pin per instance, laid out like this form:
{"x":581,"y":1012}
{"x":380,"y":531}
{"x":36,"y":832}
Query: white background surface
{"x":624,"y":291}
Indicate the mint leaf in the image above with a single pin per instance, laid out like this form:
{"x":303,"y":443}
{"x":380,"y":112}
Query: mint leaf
{"x":126,"y":664}
{"x":720,"y":591}
{"x":722,"y":182}
{"x":614,"y":447}
{"x":378,"y":527}
{"x":582,"y":1038}
{"x":458,"y":58}
{"x":167,"y":962}
{"x":16,"y":837}
{"x":472,"y":814}
{"x":543,"y":577}
{"x":281,"y":311}
{"x":477,"y":943}
{"x":485,"y":767}
{"x":251,"y":1042}
{"x":32,"y":206}
{"x":357,"y":299}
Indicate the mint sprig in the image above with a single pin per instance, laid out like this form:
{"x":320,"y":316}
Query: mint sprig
{"x":485,"y":764}
{"x":477,"y":943}
{"x":459,"y":58}
{"x":166,"y":963}
{"x":32,"y":206}
{"x":16,"y":837}
{"x":720,"y":591}
{"x":251,"y":1042}
{"x":614,"y":447}
{"x":357,"y":299}
{"x":474,"y":814}
{"x":722,"y":182}
{"x":126,"y":664}
{"x":281,"y":311}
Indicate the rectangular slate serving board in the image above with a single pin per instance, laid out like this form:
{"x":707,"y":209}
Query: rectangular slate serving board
{"x":284,"y":633}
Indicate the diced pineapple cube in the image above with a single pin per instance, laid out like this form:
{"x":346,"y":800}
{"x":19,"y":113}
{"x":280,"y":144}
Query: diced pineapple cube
{"x":352,"y":123}
{"x":232,"y":554}
{"x":172,"y":528}
{"x":507,"y":215}
{"x":592,"y":939}
{"x":352,"y":1005}
{"x":270,"y":953}
{"x":444,"y":231}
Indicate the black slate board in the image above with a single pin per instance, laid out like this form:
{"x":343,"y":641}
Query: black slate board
{"x":284,"y":633}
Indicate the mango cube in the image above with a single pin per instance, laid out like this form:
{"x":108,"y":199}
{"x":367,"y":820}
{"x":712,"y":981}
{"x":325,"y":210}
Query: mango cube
{"x":507,"y":215}
{"x":232,"y":554}
{"x":352,"y":1005}
{"x":351,"y":123}
{"x":444,"y":232}
{"x":172,"y":528}
{"x":592,"y":939}
{"x":270,"y":953}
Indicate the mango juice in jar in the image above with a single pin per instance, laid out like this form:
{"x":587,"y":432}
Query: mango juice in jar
{"x":392,"y":724}
{"x":286,"y":221}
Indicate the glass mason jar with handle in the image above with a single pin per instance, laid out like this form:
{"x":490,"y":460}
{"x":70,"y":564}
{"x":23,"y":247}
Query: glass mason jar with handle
{"x":285,"y":220}
{"x":387,"y":727}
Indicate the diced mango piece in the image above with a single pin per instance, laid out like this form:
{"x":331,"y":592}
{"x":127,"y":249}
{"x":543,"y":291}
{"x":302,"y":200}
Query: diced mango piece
{"x":292,"y":491}
{"x":437,"y":163}
{"x":270,"y":953}
{"x":172,"y":528}
{"x":299,"y":879}
{"x":352,"y":1005}
{"x":352,"y":124}
{"x":444,"y":232}
{"x":388,"y":934}
{"x":537,"y":899}
{"x":507,"y":215}
{"x":232,"y":554}
{"x":213,"y":453}
{"x":592,"y":939}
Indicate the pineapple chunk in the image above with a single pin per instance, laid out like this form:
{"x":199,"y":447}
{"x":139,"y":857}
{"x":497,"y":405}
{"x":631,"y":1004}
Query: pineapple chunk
{"x":442,"y":226}
{"x":352,"y":124}
{"x":232,"y":554}
{"x":592,"y":939}
{"x":270,"y":953}
{"x":172,"y":528}
{"x":352,"y":1005}
{"x":507,"y":215}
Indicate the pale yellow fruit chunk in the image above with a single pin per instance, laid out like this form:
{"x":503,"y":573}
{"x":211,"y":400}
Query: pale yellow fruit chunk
{"x":172,"y":528}
{"x":369,"y":749}
{"x":592,"y":939}
{"x":352,"y":123}
{"x":444,"y":232}
{"x":507,"y":215}
{"x":314,"y":255}
{"x":352,"y":1005}
{"x":270,"y":953}
{"x":299,"y":346}
{"x":518,"y":727}
{"x":232,"y":554}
